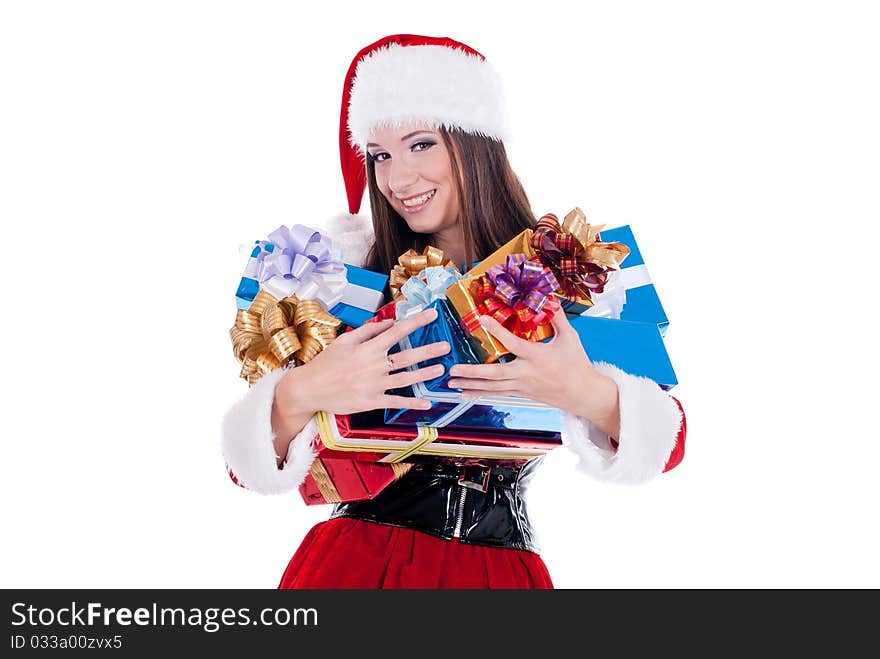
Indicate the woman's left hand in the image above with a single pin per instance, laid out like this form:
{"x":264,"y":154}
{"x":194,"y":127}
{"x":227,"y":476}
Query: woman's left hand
{"x":557,"y":373}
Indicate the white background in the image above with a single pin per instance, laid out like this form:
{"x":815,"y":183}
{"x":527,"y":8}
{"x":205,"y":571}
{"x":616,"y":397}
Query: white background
{"x":142,"y":142}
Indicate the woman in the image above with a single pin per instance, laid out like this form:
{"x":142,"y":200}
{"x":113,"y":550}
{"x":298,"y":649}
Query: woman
{"x":422,"y":128}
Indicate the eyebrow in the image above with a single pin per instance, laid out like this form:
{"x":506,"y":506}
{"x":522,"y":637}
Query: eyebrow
{"x":402,"y":139}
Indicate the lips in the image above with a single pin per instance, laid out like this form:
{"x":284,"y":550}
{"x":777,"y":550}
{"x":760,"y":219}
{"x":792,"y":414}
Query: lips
{"x":416,"y":196}
{"x":416,"y":209}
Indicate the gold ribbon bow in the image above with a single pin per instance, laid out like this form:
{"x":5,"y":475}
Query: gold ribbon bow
{"x":574,"y":252}
{"x":271,"y":333}
{"x":412,"y":263}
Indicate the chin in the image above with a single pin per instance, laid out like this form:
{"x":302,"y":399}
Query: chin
{"x":422,"y":225}
{"x":424,"y":222}
{"x":429,"y":220}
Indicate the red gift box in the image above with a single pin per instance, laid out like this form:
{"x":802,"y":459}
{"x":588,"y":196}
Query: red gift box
{"x":334,"y":480}
{"x":358,"y":456}
{"x":365,"y":438}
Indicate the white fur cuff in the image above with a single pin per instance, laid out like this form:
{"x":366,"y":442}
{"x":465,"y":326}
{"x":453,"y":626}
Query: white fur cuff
{"x":649,"y":424}
{"x":247,"y":442}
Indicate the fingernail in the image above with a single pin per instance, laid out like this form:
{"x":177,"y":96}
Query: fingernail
{"x":484,"y":321}
{"x":453,"y":371}
{"x":452,"y":384}
{"x":439,"y":369}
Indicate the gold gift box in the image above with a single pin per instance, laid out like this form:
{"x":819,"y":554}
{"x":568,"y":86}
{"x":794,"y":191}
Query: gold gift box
{"x":487,"y":348}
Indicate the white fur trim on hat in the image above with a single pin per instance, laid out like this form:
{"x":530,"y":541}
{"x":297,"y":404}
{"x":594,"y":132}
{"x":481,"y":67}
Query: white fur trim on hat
{"x":438,"y":85}
{"x":649,"y":424}
{"x":247,"y":442}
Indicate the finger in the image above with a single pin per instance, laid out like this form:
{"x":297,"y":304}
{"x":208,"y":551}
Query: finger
{"x":368,"y":330}
{"x":483,"y":371}
{"x":484,"y":385}
{"x":408,"y":378}
{"x":519,"y":347}
{"x":403,"y":328}
{"x":560,"y":323}
{"x":404,"y":403}
{"x":412,"y":356}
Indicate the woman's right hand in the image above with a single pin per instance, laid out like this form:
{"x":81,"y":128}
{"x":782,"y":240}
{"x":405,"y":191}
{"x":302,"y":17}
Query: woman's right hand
{"x":351,"y":375}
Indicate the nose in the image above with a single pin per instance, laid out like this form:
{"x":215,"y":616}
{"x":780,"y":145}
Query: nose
{"x":401,"y":177}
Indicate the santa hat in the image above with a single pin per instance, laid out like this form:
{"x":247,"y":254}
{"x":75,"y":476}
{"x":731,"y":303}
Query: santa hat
{"x":406,"y":78}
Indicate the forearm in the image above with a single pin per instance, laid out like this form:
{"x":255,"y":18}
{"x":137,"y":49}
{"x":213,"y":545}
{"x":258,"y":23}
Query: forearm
{"x":651,"y":431}
{"x":290,"y":413}
{"x":598,"y":401}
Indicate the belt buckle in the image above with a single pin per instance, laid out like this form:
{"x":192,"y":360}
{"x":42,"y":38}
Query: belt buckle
{"x":475,"y":481}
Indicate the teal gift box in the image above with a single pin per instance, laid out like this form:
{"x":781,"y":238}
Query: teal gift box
{"x":363,"y":295}
{"x":642,"y":301}
{"x":634,"y":347}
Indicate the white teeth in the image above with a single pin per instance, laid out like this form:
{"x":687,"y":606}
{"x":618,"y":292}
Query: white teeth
{"x":419,"y":200}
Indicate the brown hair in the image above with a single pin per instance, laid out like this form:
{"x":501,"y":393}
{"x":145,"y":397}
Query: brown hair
{"x":493,"y":205}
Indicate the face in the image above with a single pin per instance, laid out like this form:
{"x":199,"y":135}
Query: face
{"x":414,"y":173}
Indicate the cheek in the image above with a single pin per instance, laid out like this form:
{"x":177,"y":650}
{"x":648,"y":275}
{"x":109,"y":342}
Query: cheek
{"x":382,"y":184}
{"x":440,"y":169}
{"x":451,"y":205}
{"x":381,"y":180}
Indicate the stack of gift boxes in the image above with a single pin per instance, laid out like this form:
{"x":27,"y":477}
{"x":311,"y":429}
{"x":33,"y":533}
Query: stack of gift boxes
{"x":598,"y":279}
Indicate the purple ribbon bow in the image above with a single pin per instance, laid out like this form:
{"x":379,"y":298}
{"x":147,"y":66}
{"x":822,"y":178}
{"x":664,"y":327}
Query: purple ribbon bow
{"x":520,"y":279}
{"x":302,"y":263}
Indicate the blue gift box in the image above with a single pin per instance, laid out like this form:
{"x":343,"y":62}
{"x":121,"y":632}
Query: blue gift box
{"x":363,"y":294}
{"x":634,"y":347}
{"x":642,"y":302}
{"x":448,"y":407}
{"x":249,"y":286}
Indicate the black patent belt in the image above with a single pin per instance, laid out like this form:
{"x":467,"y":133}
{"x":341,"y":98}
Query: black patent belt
{"x":474,"y":477}
{"x":476,"y":504}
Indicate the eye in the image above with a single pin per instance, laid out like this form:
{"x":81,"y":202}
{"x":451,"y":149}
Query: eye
{"x":382,"y":156}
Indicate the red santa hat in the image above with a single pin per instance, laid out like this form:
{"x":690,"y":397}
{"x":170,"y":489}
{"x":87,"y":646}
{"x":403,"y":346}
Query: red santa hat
{"x":406,"y":78}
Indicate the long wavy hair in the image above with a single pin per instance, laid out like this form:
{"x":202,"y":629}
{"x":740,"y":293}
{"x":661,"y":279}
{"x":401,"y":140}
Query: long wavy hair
{"x":493,"y":205}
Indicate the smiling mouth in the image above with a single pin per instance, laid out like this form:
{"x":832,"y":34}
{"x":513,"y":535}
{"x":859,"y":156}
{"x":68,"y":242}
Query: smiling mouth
{"x":418,"y":203}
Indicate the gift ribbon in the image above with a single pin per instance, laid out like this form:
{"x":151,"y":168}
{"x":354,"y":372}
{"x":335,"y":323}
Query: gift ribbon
{"x":324,"y":482}
{"x":576,"y":256}
{"x":249,"y":284}
{"x":271,"y":333}
{"x":326,"y":486}
{"x":301,"y":262}
{"x":329,"y":434}
{"x":518,"y":294}
{"x":424,"y":288}
{"x":412,"y":263}
{"x":426,"y":435}
{"x":610,"y":302}
{"x":425,"y":443}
